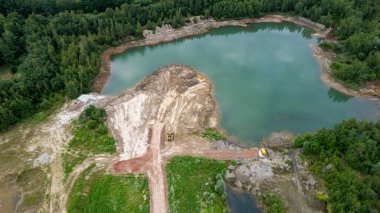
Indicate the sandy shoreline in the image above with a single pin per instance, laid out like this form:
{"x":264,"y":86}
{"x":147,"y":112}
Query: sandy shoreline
{"x":370,"y":92}
{"x":166,"y":34}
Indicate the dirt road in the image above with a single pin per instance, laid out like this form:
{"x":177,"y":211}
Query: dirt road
{"x":103,"y":158}
{"x":175,"y":98}
{"x":156,"y":173}
{"x":153,"y":163}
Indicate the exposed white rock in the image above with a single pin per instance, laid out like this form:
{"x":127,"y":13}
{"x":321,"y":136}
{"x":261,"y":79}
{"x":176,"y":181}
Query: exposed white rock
{"x":43,"y":159}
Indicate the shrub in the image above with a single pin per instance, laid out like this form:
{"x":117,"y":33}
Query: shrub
{"x":213,"y":135}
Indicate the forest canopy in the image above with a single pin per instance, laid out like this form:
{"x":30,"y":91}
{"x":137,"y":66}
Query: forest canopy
{"x":55,"y":45}
{"x":347,"y":157}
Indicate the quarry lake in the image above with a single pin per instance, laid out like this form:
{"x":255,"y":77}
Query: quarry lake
{"x":265,"y":76}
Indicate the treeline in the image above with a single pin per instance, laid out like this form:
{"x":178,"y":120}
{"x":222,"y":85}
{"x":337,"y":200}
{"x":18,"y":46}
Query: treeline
{"x":49,"y":7}
{"x":60,"y":54}
{"x":347,"y":157}
{"x":355,"y":23}
{"x":56,"y":51}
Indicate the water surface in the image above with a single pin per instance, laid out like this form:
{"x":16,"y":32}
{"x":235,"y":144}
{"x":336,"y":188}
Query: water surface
{"x":266,"y":79}
{"x":241,"y":202}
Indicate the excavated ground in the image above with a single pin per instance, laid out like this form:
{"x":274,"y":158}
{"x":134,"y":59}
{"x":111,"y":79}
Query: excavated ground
{"x":175,"y":98}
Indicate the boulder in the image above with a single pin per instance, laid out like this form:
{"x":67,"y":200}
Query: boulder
{"x":242,"y":173}
{"x":230,"y":167}
{"x":42,"y":160}
{"x":238,"y":184}
{"x":230,"y":176}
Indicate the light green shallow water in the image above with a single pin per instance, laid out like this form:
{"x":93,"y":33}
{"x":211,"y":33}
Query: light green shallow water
{"x":265,"y":77}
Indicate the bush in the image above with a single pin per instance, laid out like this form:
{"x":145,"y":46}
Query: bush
{"x":300,"y":140}
{"x":220,"y":186}
{"x":272,"y":203}
{"x":330,"y":46}
{"x":91,"y":137}
{"x":13,"y":69}
{"x":213,"y":135}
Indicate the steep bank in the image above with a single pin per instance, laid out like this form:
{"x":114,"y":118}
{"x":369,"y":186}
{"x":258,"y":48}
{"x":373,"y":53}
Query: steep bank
{"x":176,"y":95}
{"x":167,"y":34}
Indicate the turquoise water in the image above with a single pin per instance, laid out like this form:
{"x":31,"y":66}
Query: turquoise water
{"x":266,"y":79}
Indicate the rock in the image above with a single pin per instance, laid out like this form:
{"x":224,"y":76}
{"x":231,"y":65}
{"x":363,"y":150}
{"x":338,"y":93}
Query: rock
{"x":238,"y":184}
{"x":261,"y":170}
{"x":189,"y":75}
{"x":43,"y":159}
{"x":100,"y":165}
{"x":230,"y":176}
{"x":218,"y":145}
{"x":279,"y":139}
{"x":242,"y":173}
{"x":230,"y":167}
{"x":192,"y":83}
{"x":311,"y":181}
{"x":225,"y":145}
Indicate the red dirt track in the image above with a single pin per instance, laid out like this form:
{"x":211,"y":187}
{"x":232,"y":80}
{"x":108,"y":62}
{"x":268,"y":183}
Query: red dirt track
{"x":153,"y":162}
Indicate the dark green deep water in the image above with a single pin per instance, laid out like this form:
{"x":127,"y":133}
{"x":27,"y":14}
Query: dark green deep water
{"x":265,"y":77}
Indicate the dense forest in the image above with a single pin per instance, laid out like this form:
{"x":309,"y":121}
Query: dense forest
{"x":347,"y":157}
{"x":55,"y":45}
{"x":49,"y":7}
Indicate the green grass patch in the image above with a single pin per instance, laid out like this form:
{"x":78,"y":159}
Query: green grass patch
{"x":272,"y":203}
{"x":213,"y":135}
{"x":91,"y":137}
{"x":99,"y":192}
{"x":33,"y":198}
{"x":196,"y":185}
{"x":40,"y":117}
{"x":70,"y":161}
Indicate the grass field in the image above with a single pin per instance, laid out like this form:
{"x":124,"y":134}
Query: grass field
{"x":99,"y":193}
{"x":196,"y":185}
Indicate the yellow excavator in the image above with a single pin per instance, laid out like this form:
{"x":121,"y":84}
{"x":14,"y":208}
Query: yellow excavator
{"x":170,"y":136}
{"x":263,"y":151}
